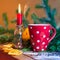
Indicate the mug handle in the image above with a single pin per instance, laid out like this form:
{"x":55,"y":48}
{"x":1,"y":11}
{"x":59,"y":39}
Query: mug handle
{"x":54,"y":33}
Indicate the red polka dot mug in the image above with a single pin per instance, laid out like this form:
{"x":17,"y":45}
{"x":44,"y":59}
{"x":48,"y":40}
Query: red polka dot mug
{"x":40,"y":36}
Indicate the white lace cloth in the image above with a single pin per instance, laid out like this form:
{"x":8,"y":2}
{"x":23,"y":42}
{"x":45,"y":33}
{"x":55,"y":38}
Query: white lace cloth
{"x":44,"y":55}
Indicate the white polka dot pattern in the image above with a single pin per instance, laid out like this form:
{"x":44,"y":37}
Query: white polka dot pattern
{"x":37,"y":47}
{"x":49,"y":30}
{"x":46,"y":46}
{"x":43,"y":43}
{"x":44,"y":36}
{"x":47,"y":38}
{"x":44,"y":27}
{"x":42,"y":49}
{"x":33,"y":43}
{"x":34,"y":49}
{"x":30,"y":27}
{"x":32,"y":36}
{"x":38,"y":41}
{"x":37,"y":32}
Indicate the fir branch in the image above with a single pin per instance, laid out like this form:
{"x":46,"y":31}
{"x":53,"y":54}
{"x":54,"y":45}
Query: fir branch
{"x":5,"y":18}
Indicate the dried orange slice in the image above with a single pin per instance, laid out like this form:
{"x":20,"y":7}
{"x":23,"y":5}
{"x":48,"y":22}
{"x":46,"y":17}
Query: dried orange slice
{"x":15,"y":52}
{"x":7,"y":49}
{"x":8,"y":45}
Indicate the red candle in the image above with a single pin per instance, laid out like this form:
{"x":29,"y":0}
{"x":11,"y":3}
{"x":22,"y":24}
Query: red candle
{"x":19,"y":16}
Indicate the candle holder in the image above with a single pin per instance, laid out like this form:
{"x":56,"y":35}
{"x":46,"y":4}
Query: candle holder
{"x":18,"y":42}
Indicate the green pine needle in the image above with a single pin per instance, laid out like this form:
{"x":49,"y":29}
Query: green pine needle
{"x":27,"y":12}
{"x":5,"y":18}
{"x":35,"y":18}
{"x":40,"y":6}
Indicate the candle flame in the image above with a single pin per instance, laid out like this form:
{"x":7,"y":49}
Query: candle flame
{"x":19,"y":8}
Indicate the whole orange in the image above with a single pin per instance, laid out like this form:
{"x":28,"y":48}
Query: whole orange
{"x":25,"y":35}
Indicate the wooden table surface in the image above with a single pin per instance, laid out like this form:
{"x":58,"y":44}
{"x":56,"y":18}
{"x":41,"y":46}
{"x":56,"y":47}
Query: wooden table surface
{"x":23,"y":57}
{"x":5,"y":56}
